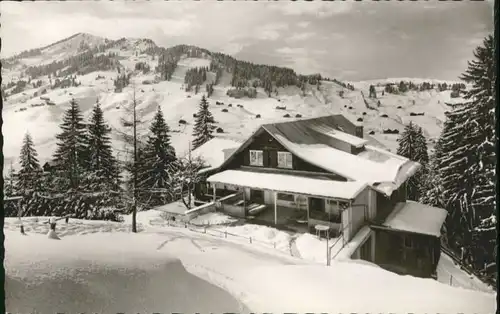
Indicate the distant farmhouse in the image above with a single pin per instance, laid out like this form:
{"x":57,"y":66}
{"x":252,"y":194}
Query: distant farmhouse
{"x":297,"y":175}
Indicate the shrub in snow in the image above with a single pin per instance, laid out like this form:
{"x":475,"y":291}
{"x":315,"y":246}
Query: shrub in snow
{"x":298,"y":115}
{"x":360,"y":119}
{"x":195,"y":115}
{"x":390,"y":131}
{"x":399,"y":107}
{"x":181,"y":121}
{"x":220,"y":130}
{"x":371,"y":132}
{"x":230,"y":105}
{"x":249,"y":92}
{"x":384,"y":116}
{"x":345,"y":106}
{"x":281,"y":107}
{"x":364,"y":113}
{"x":224,"y":110}
{"x":286,"y":116}
{"x":455,"y":94}
{"x":257,"y":116}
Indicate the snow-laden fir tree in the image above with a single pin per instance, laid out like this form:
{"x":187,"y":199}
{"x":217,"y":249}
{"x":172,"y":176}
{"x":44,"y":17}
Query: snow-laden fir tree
{"x":204,"y":125}
{"x":103,"y":167}
{"x":431,"y":192}
{"x":480,"y":101}
{"x":71,"y":155}
{"x":412,"y":145}
{"x":452,"y":163}
{"x":10,"y":186}
{"x":10,"y":190}
{"x":158,"y":157}
{"x":30,"y":172}
{"x":467,"y":162}
{"x":31,"y":183}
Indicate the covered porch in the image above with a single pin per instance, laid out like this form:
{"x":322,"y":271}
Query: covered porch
{"x":287,"y":201}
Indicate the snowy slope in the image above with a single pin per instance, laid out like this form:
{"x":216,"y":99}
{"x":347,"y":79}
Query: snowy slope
{"x":101,"y":267}
{"x":177,"y":104}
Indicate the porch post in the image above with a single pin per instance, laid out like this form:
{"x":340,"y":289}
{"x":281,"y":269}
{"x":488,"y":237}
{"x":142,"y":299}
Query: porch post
{"x":275,"y":208}
{"x":307,"y":208}
{"x":214,"y":190}
{"x":244,"y":202}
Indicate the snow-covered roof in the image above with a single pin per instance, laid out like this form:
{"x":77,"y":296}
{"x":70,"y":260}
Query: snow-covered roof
{"x":415,"y":217}
{"x":383,"y":175}
{"x":339,"y":135}
{"x":215,"y":151}
{"x":288,"y":183}
{"x":382,"y":170}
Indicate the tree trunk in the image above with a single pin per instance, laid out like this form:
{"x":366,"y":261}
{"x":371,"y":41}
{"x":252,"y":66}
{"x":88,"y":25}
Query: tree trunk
{"x":134,"y":208}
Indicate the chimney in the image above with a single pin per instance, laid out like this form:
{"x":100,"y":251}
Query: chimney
{"x":359,"y":131}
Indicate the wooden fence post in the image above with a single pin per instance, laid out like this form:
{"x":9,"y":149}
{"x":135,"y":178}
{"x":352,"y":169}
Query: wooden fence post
{"x":250,"y":239}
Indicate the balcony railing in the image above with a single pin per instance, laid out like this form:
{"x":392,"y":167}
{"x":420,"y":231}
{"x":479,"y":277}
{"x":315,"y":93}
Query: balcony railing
{"x":324,"y":216}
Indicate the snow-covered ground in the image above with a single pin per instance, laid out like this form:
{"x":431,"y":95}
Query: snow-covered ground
{"x":449,"y":273}
{"x":76,"y":272}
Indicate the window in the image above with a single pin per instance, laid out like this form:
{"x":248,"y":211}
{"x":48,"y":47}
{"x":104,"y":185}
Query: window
{"x":408,"y":242}
{"x":285,"y":160}
{"x":256,"y":158}
{"x":286,"y":197}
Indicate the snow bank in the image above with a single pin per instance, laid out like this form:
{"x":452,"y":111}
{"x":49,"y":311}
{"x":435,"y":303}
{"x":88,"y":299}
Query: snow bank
{"x":260,"y":234}
{"x":355,"y":288}
{"x":212,"y":219}
{"x":106,"y":273}
{"x":450,"y":274}
{"x":312,"y":248}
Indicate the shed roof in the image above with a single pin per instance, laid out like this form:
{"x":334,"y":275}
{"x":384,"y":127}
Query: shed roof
{"x":415,"y":217}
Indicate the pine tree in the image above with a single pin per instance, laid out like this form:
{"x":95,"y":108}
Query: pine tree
{"x":204,"y":126}
{"x":102,"y":165}
{"x":30,"y":171}
{"x":71,"y":153}
{"x":159,"y":155}
{"x":372,"y":92}
{"x":480,"y":99}
{"x":457,"y":185}
{"x":10,"y":209}
{"x":412,"y":145}
{"x":10,"y":182}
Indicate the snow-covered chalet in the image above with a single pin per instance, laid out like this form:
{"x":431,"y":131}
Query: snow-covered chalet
{"x":302,"y":173}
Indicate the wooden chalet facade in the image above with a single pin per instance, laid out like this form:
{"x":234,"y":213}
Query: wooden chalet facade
{"x":321,"y":171}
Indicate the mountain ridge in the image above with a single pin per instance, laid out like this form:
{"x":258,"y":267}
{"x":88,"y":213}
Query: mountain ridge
{"x":174,"y":78}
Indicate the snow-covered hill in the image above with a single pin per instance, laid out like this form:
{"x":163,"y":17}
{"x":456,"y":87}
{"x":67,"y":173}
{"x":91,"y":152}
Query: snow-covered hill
{"x":28,"y":110}
{"x":91,"y":266}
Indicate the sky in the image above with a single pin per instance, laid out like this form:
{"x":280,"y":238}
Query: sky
{"x":345,"y":40}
